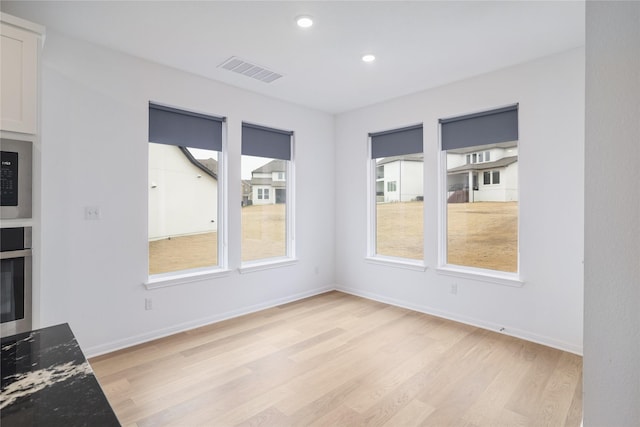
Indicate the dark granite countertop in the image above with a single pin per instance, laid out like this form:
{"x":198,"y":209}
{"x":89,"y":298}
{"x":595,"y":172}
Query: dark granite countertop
{"x":47,"y":381}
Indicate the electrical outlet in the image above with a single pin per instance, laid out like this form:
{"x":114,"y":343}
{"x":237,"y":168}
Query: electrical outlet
{"x":148,"y":304}
{"x":91,"y":213}
{"x":454,"y":288}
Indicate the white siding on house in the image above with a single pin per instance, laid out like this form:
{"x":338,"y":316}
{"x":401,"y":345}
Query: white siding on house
{"x":391,"y":175}
{"x":411,"y":184}
{"x":505,"y":191}
{"x":263,"y":195}
{"x":406,"y":177}
{"x":183,"y":199}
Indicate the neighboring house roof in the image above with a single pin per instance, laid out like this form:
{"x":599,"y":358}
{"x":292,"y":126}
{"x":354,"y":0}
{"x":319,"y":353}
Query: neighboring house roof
{"x":417,"y":157}
{"x":500,"y":163}
{"x":211,"y":164}
{"x":261,"y":181}
{"x":268,"y":181}
{"x":200,"y":165}
{"x":276,"y":165}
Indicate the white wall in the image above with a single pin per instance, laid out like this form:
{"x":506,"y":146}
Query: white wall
{"x":505,"y":191}
{"x":183,"y":199}
{"x":612,"y":216}
{"x":408,"y":178}
{"x":94,"y":153}
{"x":391,"y":174}
{"x":548,"y":308}
{"x":411,"y":180}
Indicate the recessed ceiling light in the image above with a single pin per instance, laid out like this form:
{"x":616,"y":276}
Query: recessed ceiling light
{"x":304,"y":21}
{"x":368,"y":57}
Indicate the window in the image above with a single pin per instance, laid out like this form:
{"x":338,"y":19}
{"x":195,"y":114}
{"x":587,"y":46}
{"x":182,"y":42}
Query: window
{"x":267,"y":166}
{"x":491,"y":177}
{"x":396,"y":215}
{"x":486,"y":178}
{"x":481,"y":223}
{"x":185,"y":200}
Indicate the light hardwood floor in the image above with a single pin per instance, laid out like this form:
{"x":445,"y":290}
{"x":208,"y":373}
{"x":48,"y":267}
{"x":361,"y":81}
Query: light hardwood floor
{"x":340,"y":360}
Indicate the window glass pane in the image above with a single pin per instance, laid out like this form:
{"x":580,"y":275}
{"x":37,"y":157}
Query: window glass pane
{"x":482,"y":223}
{"x":183,"y":208}
{"x":264,"y":207}
{"x":399,"y":209}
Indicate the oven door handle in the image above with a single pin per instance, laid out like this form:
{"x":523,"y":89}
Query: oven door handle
{"x":15,"y":254}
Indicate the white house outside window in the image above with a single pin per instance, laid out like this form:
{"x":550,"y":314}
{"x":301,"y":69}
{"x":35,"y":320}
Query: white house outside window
{"x":185,"y":174}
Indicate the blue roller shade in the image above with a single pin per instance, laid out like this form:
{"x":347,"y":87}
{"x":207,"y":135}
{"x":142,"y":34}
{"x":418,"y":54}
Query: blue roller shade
{"x":172,"y":126}
{"x":397,"y":142}
{"x":488,"y":127}
{"x":266,"y":142}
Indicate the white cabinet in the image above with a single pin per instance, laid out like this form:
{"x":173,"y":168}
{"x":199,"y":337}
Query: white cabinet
{"x":19,"y":50}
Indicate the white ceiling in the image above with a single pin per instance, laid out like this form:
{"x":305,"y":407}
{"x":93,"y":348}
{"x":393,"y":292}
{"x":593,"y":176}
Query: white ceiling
{"x":418,"y":45}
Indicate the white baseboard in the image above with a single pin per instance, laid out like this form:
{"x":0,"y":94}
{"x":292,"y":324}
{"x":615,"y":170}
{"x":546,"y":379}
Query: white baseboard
{"x":161,"y":333}
{"x":514,"y":332}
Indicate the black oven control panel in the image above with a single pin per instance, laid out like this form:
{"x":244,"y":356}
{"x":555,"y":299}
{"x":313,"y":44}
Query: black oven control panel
{"x":9,"y":181}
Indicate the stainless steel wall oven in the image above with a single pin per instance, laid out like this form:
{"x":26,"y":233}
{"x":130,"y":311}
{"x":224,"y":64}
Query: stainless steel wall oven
{"x":15,"y":280}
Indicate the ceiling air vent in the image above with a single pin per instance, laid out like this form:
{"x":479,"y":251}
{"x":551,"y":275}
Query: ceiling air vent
{"x":248,"y":69}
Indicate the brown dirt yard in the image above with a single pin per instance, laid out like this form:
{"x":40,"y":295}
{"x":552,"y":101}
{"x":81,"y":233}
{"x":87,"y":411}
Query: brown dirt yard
{"x":263,"y":236}
{"x":482,"y":234}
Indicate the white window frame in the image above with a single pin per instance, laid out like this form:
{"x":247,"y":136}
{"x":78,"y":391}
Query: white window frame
{"x":290,"y":257}
{"x":459,"y":271}
{"x":371,"y":256}
{"x":181,"y":277}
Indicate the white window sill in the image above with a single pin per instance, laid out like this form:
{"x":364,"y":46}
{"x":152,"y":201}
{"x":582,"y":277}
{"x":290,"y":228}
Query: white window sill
{"x":188,"y":276}
{"x":250,"y":267}
{"x":397,"y":263}
{"x":490,"y":276}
